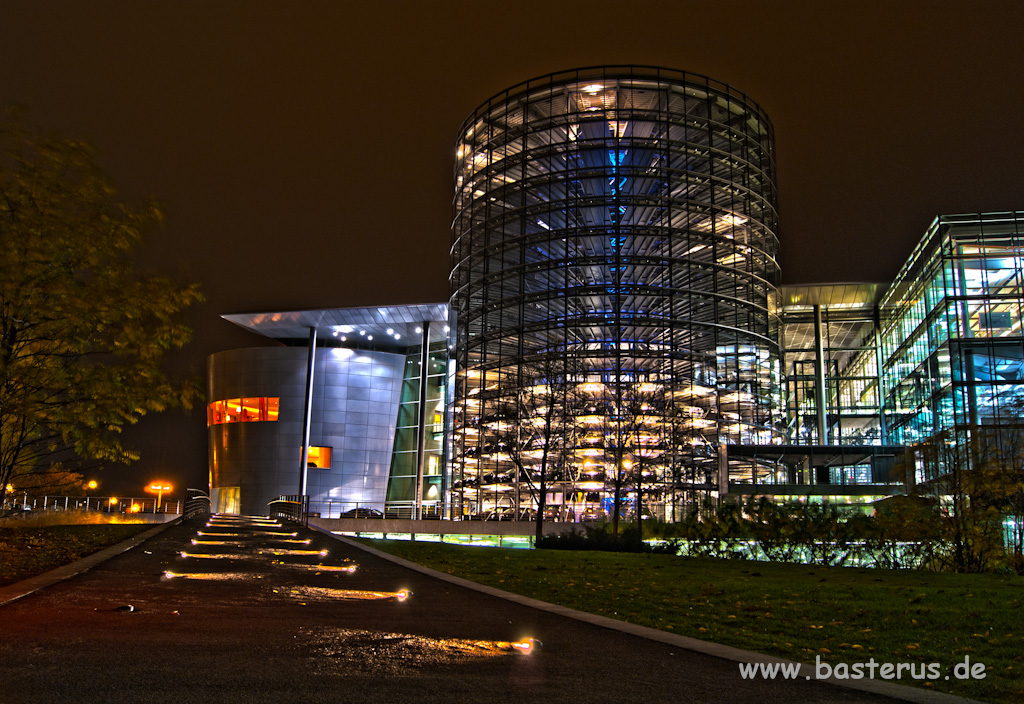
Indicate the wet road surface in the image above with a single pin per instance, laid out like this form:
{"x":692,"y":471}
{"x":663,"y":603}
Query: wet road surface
{"x":246,"y":610}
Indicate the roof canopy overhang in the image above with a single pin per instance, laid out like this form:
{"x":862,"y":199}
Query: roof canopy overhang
{"x":381,"y":326}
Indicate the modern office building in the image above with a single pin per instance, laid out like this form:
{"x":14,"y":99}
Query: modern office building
{"x":952,"y":343}
{"x":350,"y":425}
{"x":617,"y":329}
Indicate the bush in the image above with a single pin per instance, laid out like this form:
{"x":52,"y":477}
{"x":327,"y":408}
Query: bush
{"x":601,"y":537}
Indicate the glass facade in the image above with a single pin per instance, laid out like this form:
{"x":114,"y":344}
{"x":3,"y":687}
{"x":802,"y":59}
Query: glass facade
{"x":402,"y":479}
{"x":952,"y":341}
{"x":614,"y":291}
{"x":830,"y":356}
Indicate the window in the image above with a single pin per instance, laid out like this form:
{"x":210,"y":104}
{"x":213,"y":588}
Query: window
{"x":243,"y":410}
{"x":319,"y":458}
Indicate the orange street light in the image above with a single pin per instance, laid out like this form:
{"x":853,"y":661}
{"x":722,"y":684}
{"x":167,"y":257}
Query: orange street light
{"x":159,"y":488}
{"x":92,"y":484}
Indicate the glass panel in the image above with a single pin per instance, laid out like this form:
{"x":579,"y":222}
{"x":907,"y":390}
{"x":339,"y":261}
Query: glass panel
{"x":233,"y":412}
{"x":319,"y":457}
{"x":243,"y":410}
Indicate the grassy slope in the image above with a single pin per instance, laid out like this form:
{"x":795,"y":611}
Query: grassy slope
{"x":26,"y":551}
{"x":793,"y":611}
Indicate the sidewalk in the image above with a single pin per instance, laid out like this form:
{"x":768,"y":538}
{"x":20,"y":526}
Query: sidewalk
{"x":256,"y":620}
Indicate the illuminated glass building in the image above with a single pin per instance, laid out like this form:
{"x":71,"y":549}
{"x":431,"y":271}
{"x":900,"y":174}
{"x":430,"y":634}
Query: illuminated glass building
{"x":616,"y":329}
{"x":614,"y":289}
{"x":952,"y":340}
{"x":939,"y":353}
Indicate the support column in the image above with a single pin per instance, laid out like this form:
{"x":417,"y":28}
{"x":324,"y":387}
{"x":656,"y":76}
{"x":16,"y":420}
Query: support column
{"x":723,"y":471}
{"x":307,"y":413}
{"x":421,"y":418}
{"x":819,"y":379}
{"x":883,"y":430}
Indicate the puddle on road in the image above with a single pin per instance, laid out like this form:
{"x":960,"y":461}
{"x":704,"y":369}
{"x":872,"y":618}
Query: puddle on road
{"x":375,"y":652}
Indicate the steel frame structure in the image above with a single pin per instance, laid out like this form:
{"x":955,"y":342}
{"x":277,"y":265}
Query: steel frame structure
{"x":613,"y":290}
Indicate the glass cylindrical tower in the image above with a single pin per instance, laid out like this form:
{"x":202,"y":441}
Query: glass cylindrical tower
{"x":613,"y":291}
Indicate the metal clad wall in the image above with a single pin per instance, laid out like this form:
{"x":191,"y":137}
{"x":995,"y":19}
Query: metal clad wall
{"x":355,"y":403}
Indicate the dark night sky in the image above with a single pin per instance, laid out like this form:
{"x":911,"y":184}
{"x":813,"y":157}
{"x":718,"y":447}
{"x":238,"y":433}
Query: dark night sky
{"x":304,"y":150}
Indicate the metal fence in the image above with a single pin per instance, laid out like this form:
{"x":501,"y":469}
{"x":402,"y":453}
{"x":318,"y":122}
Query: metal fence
{"x":101,"y":504}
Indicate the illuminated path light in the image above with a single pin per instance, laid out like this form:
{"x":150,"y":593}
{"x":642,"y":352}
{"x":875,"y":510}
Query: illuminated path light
{"x":233,"y":543}
{"x":349,"y":594}
{"x":328,"y":568}
{"x":525,"y":646}
{"x":244,"y":522}
{"x":212,"y":576}
{"x":285,"y":551}
{"x":213,"y":556}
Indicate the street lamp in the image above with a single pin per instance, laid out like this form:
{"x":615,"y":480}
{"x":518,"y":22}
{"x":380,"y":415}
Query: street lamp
{"x":158,"y":488}
{"x":89,"y":486}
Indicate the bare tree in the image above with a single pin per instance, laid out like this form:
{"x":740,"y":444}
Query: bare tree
{"x":539,"y":427}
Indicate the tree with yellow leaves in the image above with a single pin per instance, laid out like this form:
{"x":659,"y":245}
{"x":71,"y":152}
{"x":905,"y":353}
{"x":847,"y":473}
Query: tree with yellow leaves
{"x":83,"y":336}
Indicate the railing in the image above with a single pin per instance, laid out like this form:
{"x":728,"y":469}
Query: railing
{"x":373,"y":509}
{"x":197,"y":503}
{"x":291,"y":507}
{"x":102,"y":504}
{"x":428,"y":511}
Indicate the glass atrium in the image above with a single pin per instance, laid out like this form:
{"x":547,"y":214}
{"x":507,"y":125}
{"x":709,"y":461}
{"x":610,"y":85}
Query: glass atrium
{"x":614,"y":291}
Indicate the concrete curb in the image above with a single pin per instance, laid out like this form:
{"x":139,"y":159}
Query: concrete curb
{"x":33,"y":584}
{"x":881,"y":687}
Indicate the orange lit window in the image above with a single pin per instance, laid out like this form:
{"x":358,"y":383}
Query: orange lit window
{"x":319,"y":458}
{"x":270,"y":406}
{"x":233,"y":412}
{"x":243,"y":410}
{"x":215,"y":413}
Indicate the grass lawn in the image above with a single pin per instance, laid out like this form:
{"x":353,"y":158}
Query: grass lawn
{"x":28,"y":550}
{"x":844,"y":615}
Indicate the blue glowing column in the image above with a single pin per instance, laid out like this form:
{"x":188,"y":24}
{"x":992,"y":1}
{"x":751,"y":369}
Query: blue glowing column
{"x":307,"y":413}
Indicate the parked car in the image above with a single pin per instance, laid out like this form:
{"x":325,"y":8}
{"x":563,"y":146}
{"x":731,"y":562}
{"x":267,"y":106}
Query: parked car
{"x":591,"y":514}
{"x":362,"y":513}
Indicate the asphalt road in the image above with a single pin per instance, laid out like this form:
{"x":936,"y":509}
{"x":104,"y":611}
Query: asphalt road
{"x":253,"y":618}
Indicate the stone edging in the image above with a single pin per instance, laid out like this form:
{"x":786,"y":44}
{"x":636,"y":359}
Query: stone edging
{"x":59,"y":574}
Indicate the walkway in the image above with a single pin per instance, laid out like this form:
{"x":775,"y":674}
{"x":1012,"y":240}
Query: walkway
{"x":250,"y":613}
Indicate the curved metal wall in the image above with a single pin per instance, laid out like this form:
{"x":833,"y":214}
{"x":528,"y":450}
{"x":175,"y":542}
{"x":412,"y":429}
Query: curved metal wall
{"x":622,"y":221}
{"x":355,"y":407}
